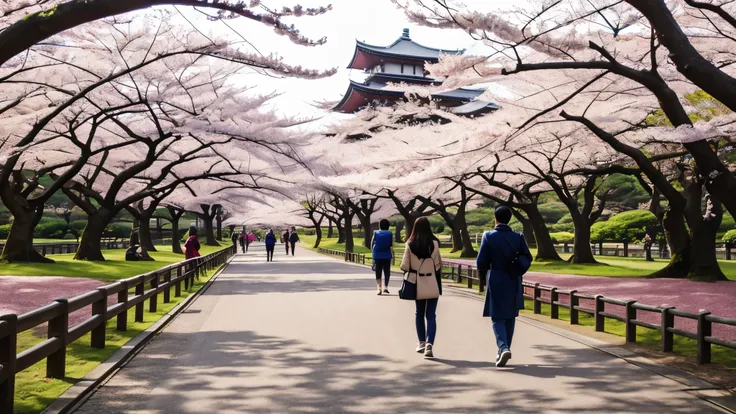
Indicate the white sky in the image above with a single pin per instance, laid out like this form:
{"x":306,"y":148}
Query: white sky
{"x":376,"y":22}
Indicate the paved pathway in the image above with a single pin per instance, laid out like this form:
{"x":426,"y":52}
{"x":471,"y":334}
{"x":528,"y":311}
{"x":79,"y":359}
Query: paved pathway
{"x":308,"y":334}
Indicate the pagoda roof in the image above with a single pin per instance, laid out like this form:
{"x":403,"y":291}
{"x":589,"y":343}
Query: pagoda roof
{"x":359,"y":92}
{"x":367,"y":56}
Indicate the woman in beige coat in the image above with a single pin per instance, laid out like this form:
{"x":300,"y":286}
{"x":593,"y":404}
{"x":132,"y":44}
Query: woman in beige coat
{"x":421,"y":261}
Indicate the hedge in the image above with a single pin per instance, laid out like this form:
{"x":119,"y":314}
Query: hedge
{"x":562,"y":237}
{"x":730,"y":236}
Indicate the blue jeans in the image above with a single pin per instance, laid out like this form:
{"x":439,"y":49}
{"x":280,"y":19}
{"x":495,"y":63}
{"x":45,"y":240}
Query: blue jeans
{"x":426,"y":308}
{"x":504,"y":330}
{"x":383,"y":265}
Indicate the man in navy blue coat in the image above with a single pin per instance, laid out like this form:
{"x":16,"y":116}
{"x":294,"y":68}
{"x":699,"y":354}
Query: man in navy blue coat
{"x":504,"y":293}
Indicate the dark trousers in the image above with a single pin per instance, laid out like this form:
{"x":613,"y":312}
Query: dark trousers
{"x":504,"y":330}
{"x":383,"y":265}
{"x":242,"y":246}
{"x":287,"y":247}
{"x":293,"y":247}
{"x":269,"y":252}
{"x":426,"y":308}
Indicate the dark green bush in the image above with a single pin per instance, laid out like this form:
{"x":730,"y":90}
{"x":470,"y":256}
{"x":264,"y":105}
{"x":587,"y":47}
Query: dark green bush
{"x":118,"y":230}
{"x":4,"y":231}
{"x":50,"y":229}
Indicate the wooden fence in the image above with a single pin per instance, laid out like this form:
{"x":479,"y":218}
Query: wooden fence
{"x":60,"y":334}
{"x":551,"y":295}
{"x":349,"y":257}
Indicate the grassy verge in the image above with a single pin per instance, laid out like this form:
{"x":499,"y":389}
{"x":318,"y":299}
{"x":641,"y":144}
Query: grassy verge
{"x":645,"y":337}
{"x":608,"y":266}
{"x":114,"y":268}
{"x":34,"y":392}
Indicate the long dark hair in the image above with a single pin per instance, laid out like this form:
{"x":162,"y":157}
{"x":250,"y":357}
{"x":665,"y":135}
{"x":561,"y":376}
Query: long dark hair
{"x":192,"y":231}
{"x":421,"y":240}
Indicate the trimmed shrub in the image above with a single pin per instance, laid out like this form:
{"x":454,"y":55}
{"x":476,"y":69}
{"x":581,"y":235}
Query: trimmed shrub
{"x":118,"y":230}
{"x":553,"y":211}
{"x":729,"y":237}
{"x":50,"y":229}
{"x":78,"y":225}
{"x":562,"y":237}
{"x":627,"y":226}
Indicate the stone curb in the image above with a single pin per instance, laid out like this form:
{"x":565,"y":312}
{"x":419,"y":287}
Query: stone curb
{"x":78,"y":393}
{"x":719,"y":398}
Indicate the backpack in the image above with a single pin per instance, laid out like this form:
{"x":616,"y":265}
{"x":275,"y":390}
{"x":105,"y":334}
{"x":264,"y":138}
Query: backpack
{"x":518,"y":263}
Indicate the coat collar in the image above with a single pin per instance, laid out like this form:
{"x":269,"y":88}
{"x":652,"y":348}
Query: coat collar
{"x":503,"y":227}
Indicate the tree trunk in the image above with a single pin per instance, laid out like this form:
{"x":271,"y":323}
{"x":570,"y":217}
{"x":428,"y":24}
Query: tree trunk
{"x":397,"y":235}
{"x":218,"y":218}
{"x":457,"y":239}
{"x":144,"y":233}
{"x":329,"y":228}
{"x":90,"y":245}
{"x":703,"y":262}
{"x":349,"y":242}
{"x":409,"y":221}
{"x":318,"y":233}
{"x":19,"y":245}
{"x":581,"y":251}
{"x":678,"y":240}
{"x":175,"y":240}
{"x":367,"y":233}
{"x":209,"y":228}
{"x":468,"y":251}
{"x":545,"y":247}
{"x":340,"y":231}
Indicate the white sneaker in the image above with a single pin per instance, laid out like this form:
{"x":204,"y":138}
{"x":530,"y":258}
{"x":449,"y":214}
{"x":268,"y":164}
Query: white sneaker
{"x":503,"y":359}
{"x":420,"y":347}
{"x":428,"y":351}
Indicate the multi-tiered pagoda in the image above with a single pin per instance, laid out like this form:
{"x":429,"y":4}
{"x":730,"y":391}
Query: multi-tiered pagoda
{"x":403,"y":62}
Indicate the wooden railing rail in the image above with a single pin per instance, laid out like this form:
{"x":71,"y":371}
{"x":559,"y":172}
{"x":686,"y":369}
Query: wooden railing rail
{"x":56,"y":315}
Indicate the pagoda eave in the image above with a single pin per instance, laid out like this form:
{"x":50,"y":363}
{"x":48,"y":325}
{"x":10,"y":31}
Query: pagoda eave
{"x":367,"y":59}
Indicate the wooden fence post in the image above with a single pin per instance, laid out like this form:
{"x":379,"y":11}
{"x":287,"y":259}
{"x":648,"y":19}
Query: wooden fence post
{"x":535,"y":299}
{"x":630,"y":318}
{"x":470,"y":277}
{"x":99,"y":308}
{"x":574,"y":301}
{"x":626,"y":248}
{"x":600,"y":248}
{"x":668,"y":321}
{"x":122,"y":322}
{"x":704,"y":330}
{"x":7,"y":360}
{"x":140,"y":289}
{"x":554,"y":297}
{"x":58,"y":328}
{"x":167,"y":290}
{"x":728,"y":251}
{"x":459,"y":273}
{"x":482,"y":283}
{"x":153,"y":300}
{"x":600,"y":320}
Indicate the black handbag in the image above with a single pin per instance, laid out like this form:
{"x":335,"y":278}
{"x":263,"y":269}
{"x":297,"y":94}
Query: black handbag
{"x":408,"y":290}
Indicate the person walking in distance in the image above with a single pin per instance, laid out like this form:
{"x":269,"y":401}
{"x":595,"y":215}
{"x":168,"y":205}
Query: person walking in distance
{"x":293,"y":240}
{"x":503,"y":258}
{"x":423,"y":264}
{"x":382,"y":251}
{"x":270,"y":245}
{"x":241,"y":240}
{"x":285,"y":240}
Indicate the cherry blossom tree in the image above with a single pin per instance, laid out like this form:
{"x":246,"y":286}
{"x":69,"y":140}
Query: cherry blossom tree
{"x":26,"y":23}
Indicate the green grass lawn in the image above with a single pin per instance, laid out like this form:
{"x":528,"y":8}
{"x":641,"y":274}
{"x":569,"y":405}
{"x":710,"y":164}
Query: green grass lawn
{"x":34,"y":392}
{"x":114,"y":268}
{"x":609,"y":265}
{"x":646,"y":337}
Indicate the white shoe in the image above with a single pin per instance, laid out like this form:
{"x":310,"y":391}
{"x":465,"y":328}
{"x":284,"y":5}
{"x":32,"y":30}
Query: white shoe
{"x":420,"y":347}
{"x":428,"y":351}
{"x":503,"y":359}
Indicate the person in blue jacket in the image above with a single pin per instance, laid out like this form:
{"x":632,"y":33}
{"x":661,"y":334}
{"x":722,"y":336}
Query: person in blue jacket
{"x":270,"y":245}
{"x":382,"y":251}
{"x":504,"y":292}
